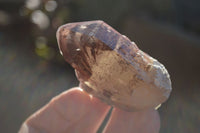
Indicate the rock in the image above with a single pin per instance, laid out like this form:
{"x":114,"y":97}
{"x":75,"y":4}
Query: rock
{"x":112,"y":68}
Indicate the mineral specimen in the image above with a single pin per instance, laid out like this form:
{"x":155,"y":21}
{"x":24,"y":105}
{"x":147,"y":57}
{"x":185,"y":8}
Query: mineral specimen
{"x":112,"y":68}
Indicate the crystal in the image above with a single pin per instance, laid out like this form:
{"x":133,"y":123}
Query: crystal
{"x":112,"y":68}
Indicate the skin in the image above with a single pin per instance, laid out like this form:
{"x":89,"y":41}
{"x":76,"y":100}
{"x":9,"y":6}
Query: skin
{"x":74,"y":111}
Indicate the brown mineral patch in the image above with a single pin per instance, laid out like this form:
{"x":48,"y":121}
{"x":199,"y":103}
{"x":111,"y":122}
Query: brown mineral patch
{"x":107,"y":93}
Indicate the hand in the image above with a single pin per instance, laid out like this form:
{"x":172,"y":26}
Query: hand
{"x":74,"y":111}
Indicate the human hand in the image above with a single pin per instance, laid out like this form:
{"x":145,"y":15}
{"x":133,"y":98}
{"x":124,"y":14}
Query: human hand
{"x":74,"y":111}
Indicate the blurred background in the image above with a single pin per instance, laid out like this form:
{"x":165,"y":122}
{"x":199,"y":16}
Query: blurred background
{"x":32,"y":70}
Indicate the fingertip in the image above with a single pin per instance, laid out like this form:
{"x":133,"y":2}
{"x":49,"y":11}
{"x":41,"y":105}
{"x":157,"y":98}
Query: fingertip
{"x":147,"y":121}
{"x":78,"y":95}
{"x":76,"y":103}
{"x":72,"y":94}
{"x":73,"y":110}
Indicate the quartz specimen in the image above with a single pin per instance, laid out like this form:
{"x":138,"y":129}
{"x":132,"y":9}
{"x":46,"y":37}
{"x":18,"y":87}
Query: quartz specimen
{"x":112,"y":68}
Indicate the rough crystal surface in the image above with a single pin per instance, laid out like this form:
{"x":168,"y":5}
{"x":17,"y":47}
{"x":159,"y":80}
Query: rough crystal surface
{"x":111,"y":67}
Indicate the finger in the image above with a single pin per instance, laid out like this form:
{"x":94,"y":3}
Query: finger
{"x":133,"y":122}
{"x":73,"y":111}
